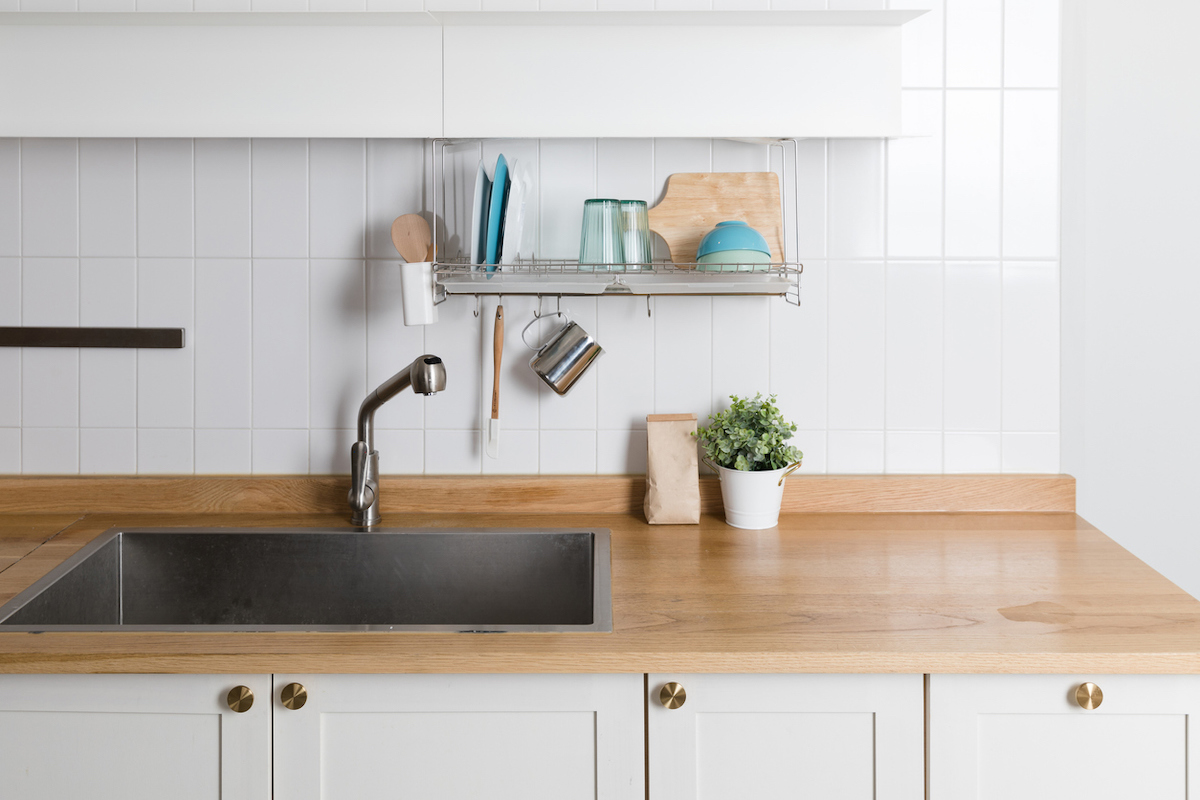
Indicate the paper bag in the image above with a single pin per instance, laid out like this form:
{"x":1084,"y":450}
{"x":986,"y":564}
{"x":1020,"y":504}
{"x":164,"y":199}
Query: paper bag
{"x":672,"y":470}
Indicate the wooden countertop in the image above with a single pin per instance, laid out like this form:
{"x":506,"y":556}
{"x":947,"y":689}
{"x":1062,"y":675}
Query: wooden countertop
{"x":917,"y":592}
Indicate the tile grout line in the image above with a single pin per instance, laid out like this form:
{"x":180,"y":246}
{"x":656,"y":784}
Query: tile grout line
{"x":1003,"y":98}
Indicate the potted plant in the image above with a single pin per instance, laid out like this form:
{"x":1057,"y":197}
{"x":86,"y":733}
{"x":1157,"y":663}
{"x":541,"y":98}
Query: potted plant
{"x":747,"y":445}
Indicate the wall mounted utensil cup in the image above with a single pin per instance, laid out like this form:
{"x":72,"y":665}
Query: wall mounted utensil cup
{"x":417,"y":293}
{"x":563,"y":359}
{"x":602,"y":242}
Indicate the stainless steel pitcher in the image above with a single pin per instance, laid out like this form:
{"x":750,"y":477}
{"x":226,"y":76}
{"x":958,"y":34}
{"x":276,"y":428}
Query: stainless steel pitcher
{"x":561,"y":360}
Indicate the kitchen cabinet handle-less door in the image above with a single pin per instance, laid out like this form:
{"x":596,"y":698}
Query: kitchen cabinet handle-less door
{"x":1033,"y":737}
{"x":448,"y":737}
{"x":134,"y":737}
{"x":769,"y":737}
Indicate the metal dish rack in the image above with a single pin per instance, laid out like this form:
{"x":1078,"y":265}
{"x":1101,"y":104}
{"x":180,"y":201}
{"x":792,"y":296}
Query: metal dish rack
{"x":456,"y":275}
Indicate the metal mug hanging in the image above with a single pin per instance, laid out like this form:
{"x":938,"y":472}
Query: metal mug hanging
{"x":561,"y":360}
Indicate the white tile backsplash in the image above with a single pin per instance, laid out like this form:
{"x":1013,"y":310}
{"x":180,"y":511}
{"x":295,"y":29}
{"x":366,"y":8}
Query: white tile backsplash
{"x":926,"y":340}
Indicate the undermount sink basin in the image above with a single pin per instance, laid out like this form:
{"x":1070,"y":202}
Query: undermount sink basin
{"x":325,"y":580}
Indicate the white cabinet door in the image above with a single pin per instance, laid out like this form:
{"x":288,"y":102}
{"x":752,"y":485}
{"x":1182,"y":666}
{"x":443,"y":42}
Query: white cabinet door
{"x":835,"y":737}
{"x":449,"y":737}
{"x":1024,"y":737}
{"x":133,"y":737}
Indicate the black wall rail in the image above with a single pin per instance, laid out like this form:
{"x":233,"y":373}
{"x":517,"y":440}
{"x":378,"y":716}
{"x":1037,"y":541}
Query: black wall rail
{"x":91,"y":337}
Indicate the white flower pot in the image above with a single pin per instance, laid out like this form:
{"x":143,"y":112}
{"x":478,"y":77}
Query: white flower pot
{"x":752,"y":499}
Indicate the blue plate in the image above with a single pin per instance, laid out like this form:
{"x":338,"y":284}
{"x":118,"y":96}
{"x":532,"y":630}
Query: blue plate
{"x":495,"y":230}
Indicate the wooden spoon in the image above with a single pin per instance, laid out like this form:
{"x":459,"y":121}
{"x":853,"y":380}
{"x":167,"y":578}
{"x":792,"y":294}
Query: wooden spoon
{"x":410,"y":234}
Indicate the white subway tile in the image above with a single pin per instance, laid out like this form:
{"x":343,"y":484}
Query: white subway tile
{"x":1031,"y":174}
{"x":510,"y":5}
{"x":49,"y":451}
{"x":10,"y":197}
{"x":857,"y":304}
{"x":1031,"y":347}
{"x":108,"y":451}
{"x":10,"y":451}
{"x":517,"y":455}
{"x":47,"y":5}
{"x":10,"y":291}
{"x":855,"y":452}
{"x":625,"y":375}
{"x":49,"y":197}
{"x":108,"y":378}
{"x":625,"y":169}
{"x":568,"y":452}
{"x":453,"y":452}
{"x":164,"y":5}
{"x":337,"y":191}
{"x":855,"y":198}
{"x":679,"y":5}
{"x":914,"y":215}
{"x":568,"y":5}
{"x":395,"y":5}
{"x":109,"y":5}
{"x":395,"y":174}
{"x":811,"y":223}
{"x":222,"y":338}
{"x":973,"y":174}
{"x":914,"y":452}
{"x":567,"y":177}
{"x":452,"y":5}
{"x":50,"y":375}
{"x":108,"y":197}
{"x":222,"y":452}
{"x":403,"y":452}
{"x":165,"y":377}
{"x":279,"y":452}
{"x":800,"y":351}
{"x":223,"y":197}
{"x":914,"y":346}
{"x":856,"y":5}
{"x":337,"y":5}
{"x":165,"y":451}
{"x":625,"y":5}
{"x":1031,"y":452}
{"x":279,"y":196}
{"x":973,"y":35}
{"x":798,"y":5}
{"x":392,"y":345}
{"x":741,"y":357}
{"x":682,"y":356}
{"x":577,"y":409}
{"x":678,"y":155}
{"x":279,"y":313}
{"x":922,"y":56}
{"x":972,"y":347}
{"x":1031,"y":43}
{"x":621,"y":452}
{"x":329,"y":451}
{"x":337,"y":342}
{"x":457,"y":340}
{"x":164,"y":197}
{"x":812,"y":444}
{"x":731,"y":156}
{"x":279,"y":5}
{"x":519,"y":385}
{"x":10,"y":357}
{"x":972,"y":453}
{"x":741,"y":5}
{"x":220,"y":5}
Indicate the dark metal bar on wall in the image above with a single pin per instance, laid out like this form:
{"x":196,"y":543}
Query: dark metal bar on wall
{"x":91,"y":337}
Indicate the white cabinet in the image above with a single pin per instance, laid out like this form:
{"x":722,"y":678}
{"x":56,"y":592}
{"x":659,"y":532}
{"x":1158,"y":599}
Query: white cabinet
{"x":133,"y":737}
{"x":836,"y":737}
{"x":447,"y":737}
{"x":1024,"y":737}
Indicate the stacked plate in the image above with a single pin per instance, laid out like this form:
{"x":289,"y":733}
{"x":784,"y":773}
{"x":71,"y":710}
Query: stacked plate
{"x":500,"y":229}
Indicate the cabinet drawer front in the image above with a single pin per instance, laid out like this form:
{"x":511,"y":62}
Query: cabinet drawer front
{"x":786,"y":736}
{"x":1026,"y":737}
{"x":133,"y":737}
{"x":558,"y":737}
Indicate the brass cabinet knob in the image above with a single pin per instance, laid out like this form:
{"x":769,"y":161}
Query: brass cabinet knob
{"x":672,"y":695}
{"x":1089,"y":696}
{"x":240,"y":698}
{"x":293,"y":696}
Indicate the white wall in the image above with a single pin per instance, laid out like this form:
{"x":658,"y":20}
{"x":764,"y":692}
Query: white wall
{"x":927,"y":340}
{"x":1131,"y":275}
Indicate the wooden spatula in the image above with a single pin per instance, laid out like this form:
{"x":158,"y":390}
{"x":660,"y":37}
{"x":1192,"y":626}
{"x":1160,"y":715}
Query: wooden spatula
{"x":410,"y":234}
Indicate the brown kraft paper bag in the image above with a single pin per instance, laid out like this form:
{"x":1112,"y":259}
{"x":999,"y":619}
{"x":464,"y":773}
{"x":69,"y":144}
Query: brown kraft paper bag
{"x":672,"y":470}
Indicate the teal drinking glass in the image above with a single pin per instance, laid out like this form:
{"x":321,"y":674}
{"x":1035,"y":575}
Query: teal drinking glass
{"x":602,"y":244}
{"x":636,"y":218}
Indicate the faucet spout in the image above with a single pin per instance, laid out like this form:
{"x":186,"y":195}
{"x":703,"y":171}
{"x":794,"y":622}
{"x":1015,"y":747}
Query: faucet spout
{"x":426,"y":375}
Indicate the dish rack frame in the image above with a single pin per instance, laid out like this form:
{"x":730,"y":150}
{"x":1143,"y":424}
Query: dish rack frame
{"x":456,"y":275}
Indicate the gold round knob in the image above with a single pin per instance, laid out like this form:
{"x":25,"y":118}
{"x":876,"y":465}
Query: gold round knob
{"x":1089,"y":696}
{"x":672,"y":695}
{"x":293,"y":696}
{"x":240,"y":698}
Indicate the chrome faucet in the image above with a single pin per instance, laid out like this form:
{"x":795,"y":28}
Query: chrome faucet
{"x":426,"y":375}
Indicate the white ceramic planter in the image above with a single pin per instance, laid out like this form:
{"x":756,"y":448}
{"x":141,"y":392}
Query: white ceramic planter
{"x":752,"y":499}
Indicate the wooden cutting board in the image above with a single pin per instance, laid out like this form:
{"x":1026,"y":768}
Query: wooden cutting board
{"x":696,"y":201}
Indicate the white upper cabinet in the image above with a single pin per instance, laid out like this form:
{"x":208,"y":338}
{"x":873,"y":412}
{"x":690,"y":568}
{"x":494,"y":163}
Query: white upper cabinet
{"x":736,"y":74}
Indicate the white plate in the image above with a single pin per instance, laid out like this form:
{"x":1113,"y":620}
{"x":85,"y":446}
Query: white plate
{"x":483,"y":196}
{"x":515,"y":215}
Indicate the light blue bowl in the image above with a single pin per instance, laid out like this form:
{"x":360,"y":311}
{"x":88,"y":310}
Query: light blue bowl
{"x":732,"y":235}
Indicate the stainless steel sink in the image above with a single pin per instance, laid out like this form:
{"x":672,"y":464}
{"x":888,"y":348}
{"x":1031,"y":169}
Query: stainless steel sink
{"x":473,"y":581}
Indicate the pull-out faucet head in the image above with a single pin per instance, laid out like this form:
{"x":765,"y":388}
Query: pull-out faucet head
{"x":428,"y":375}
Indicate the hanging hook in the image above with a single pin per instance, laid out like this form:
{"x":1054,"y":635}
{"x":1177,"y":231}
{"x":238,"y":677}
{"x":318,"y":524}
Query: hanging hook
{"x":478,"y":305}
{"x":558,"y":303}
{"x":647,"y":305}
